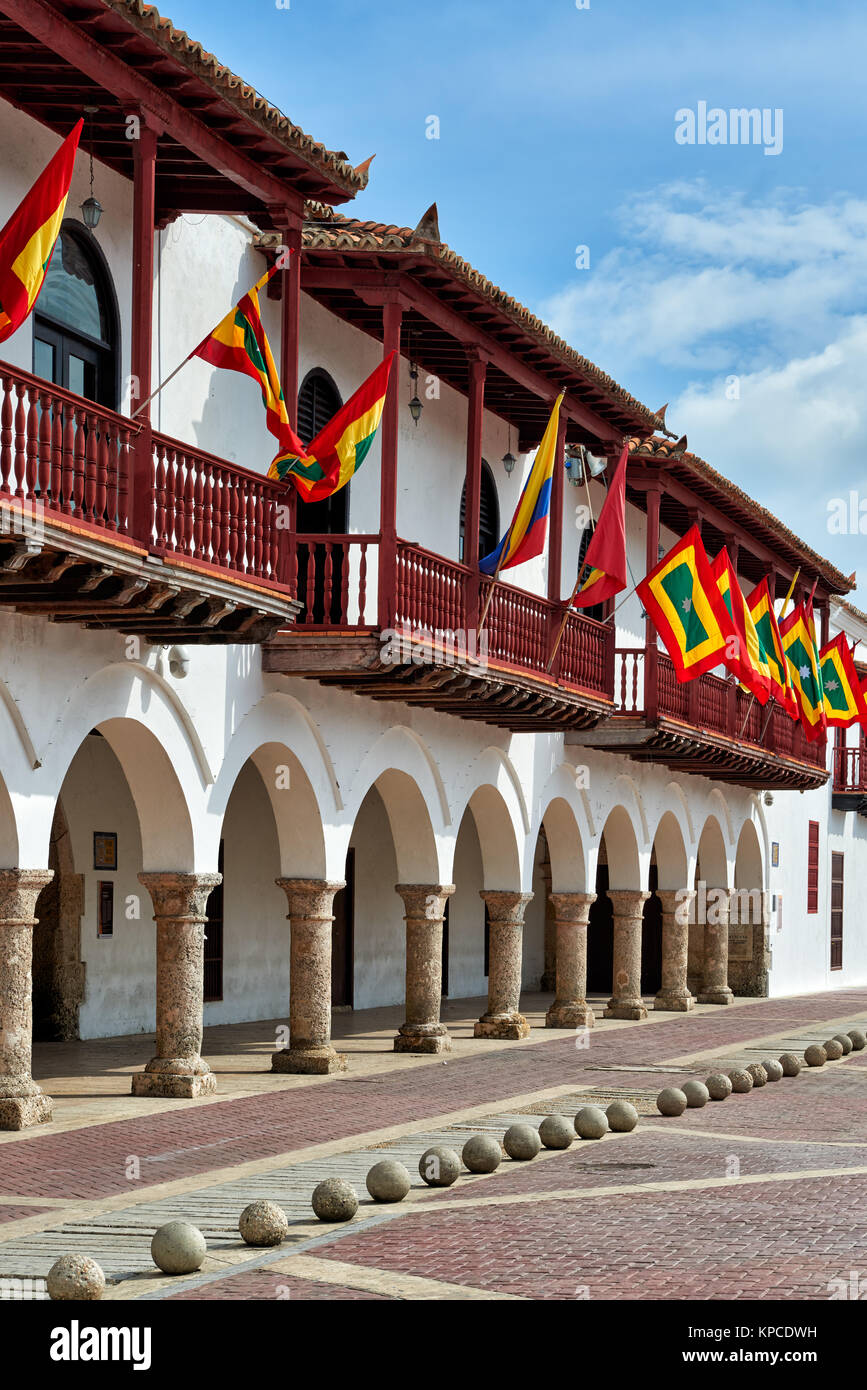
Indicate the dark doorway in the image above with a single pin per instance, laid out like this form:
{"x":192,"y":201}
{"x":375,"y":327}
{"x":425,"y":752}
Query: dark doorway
{"x":445,"y":984}
{"x":75,"y":322}
{"x":600,"y":938}
{"x":318,"y":401}
{"x":489,"y":515}
{"x":651,"y":938}
{"x":213,"y":991}
{"x":342,"y":951}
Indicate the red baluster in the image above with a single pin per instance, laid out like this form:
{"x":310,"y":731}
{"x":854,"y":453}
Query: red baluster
{"x":102,"y":476}
{"x":20,"y":460}
{"x":32,"y":444}
{"x":344,"y":582}
{"x":55,"y":482}
{"x":160,"y":479}
{"x":362,"y":581}
{"x":90,"y":469}
{"x":78,"y":464}
{"x":310,"y":585}
{"x":120,"y":510}
{"x":6,"y":436}
{"x":207,"y":512}
{"x":233,"y":525}
{"x":198,"y":509}
{"x":188,"y":511}
{"x":328,"y":580}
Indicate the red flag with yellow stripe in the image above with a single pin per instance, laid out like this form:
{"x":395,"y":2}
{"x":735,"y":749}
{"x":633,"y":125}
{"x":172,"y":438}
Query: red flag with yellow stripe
{"x":27,"y":240}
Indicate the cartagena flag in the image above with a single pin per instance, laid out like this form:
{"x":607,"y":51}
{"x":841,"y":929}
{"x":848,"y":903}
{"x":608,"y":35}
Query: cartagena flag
{"x":27,"y":241}
{"x":798,"y":632}
{"x":341,"y":446}
{"x":606,"y":553}
{"x":525,"y":537}
{"x":841,"y":689}
{"x":771,"y":647}
{"x":239,"y":343}
{"x":687,"y":608}
{"x":743,"y":657}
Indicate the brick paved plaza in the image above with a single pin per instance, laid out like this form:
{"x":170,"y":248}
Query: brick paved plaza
{"x":761,"y":1197}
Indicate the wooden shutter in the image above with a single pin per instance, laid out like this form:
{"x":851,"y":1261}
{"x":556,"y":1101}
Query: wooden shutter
{"x":317,"y":402}
{"x":836,"y":911}
{"x":813,"y":867}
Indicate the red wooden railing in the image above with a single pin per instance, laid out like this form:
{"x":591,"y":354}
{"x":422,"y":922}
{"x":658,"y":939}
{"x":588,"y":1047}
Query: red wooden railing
{"x":850,"y":770}
{"x":430,"y":591}
{"x":335,"y":579}
{"x":62,"y":454}
{"x":710,"y":703}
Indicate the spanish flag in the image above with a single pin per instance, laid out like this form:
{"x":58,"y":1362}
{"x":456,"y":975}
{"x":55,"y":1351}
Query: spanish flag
{"x":841,"y":689}
{"x":798,"y":632}
{"x":341,"y":446}
{"x":240,"y":344}
{"x":687,"y":608}
{"x":772,"y":658}
{"x":526,"y":535}
{"x":743,"y":657}
{"x":606,"y":554}
{"x":27,"y":240}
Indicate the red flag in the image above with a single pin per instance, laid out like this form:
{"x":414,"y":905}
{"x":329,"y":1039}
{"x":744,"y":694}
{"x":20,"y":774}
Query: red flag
{"x":606,"y":553}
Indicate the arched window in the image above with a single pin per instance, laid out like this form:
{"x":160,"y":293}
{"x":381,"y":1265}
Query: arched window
{"x":596,"y":610}
{"x":75,"y":322}
{"x":318,"y":401}
{"x":489,"y":514}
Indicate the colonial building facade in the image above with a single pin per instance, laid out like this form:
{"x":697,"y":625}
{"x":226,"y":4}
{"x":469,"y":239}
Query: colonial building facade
{"x":220,"y":707}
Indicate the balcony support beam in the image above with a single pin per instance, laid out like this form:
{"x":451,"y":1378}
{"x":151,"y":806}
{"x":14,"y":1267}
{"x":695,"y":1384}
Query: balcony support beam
{"x":144,"y":214}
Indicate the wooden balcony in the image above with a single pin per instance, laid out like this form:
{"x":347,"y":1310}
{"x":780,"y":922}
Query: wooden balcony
{"x":849,"y":788}
{"x":112,"y":527}
{"x":406,"y":629}
{"x":707,"y":726}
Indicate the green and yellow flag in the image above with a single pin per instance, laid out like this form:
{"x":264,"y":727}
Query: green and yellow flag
{"x":771,"y":655}
{"x":841,"y":688}
{"x":798,"y":632}
{"x":744,"y":657}
{"x":687,"y":608}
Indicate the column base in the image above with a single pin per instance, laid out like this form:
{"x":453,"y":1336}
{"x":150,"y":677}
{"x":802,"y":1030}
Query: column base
{"x":674,"y":1003}
{"x":179,"y":1078}
{"x":625,"y":1008}
{"x":577,"y":1015}
{"x":716,"y":996}
{"x":422,"y":1042}
{"x":508,"y":1026}
{"x":308,"y":1061}
{"x":20,"y":1112}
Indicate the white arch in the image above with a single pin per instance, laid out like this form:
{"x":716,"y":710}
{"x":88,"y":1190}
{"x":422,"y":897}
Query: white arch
{"x":712,"y":854}
{"x":565,"y":847}
{"x":622,"y":849}
{"x":749,"y":871}
{"x":18,"y":724}
{"x":672,"y":860}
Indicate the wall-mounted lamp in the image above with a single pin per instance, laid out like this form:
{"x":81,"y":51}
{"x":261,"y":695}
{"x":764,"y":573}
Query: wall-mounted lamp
{"x":91,"y":208}
{"x":415,"y":404}
{"x":509,"y":459}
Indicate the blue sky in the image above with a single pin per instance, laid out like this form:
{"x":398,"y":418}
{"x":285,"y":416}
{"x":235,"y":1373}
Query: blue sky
{"x":728,"y":282}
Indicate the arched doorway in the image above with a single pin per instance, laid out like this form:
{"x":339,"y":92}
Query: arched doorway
{"x":749,"y":920}
{"x":75,"y":322}
{"x":489,"y":515}
{"x":318,"y":401}
{"x":58,"y":970}
{"x":651,"y":934}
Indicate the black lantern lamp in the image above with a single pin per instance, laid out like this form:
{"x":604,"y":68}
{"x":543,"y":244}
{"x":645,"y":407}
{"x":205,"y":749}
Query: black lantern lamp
{"x":91,"y":208}
{"x":415,"y":405}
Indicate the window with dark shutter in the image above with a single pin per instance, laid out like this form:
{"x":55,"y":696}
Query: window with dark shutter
{"x":489,"y":514}
{"x":318,"y":401}
{"x":597,"y":610}
{"x":836,"y":911}
{"x":813,"y":867}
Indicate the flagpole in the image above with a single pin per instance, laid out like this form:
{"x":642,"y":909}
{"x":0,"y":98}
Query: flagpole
{"x":163,"y":384}
{"x":747,"y":715}
{"x":772,"y":702}
{"x":566,"y":616}
{"x":494,"y":579}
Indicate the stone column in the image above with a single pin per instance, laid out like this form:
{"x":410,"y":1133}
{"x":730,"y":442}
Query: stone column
{"x":571,"y":912}
{"x":548,"y":981}
{"x":626,"y":1001}
{"x":310,"y":917}
{"x":715,"y":987}
{"x":503,"y":1017}
{"x":178,"y":1070}
{"x":674,"y":993}
{"x":425,"y":906}
{"x":22,"y":1103}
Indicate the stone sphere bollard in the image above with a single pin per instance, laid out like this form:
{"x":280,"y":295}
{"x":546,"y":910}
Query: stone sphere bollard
{"x":758,"y":1073}
{"x":671,"y":1101}
{"x":815,"y":1056}
{"x":557,"y":1132}
{"x":263,"y":1223}
{"x":791,"y":1064}
{"x":482,"y":1154}
{"x":334,"y":1200}
{"x":622,"y":1117}
{"x":773,"y":1069}
{"x":719,"y":1086}
{"x":178,"y":1248}
{"x":591,"y":1122}
{"x":696,"y":1094}
{"x":858,"y":1039}
{"x":845,"y":1042}
{"x":439,"y":1167}
{"x":741,"y":1081}
{"x":833,"y":1050}
{"x":388,"y":1181}
{"x":522,"y":1142}
{"x":75,"y":1277}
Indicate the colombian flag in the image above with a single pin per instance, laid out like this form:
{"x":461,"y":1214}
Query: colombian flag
{"x":606,"y":553}
{"x":771,"y":647}
{"x":341,"y":446}
{"x":798,"y":632}
{"x":27,"y":240}
{"x":843,"y":697}
{"x":745,"y":659}
{"x":688,"y":611}
{"x":525,"y":537}
{"x":239,"y":343}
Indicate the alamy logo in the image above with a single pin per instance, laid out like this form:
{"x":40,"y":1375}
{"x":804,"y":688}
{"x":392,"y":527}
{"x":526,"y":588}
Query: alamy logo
{"x":77,"y":1343}
{"x":737,"y":126}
